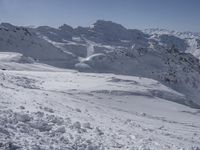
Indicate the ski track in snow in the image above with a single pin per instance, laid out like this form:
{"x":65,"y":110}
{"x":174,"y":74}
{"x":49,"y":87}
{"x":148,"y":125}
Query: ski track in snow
{"x":90,"y":50}
{"x":90,"y":47}
{"x":68,"y":110}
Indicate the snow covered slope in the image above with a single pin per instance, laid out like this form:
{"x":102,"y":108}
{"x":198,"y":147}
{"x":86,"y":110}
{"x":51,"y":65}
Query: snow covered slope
{"x":70,"y":110}
{"x":16,"y":61}
{"x":27,"y":42}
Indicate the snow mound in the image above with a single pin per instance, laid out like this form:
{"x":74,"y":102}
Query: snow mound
{"x":14,"y":57}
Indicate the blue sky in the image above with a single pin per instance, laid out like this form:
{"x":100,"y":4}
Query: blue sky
{"x":181,"y":15}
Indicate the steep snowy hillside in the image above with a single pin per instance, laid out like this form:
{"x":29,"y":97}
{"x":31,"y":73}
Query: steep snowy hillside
{"x":25,"y":41}
{"x":70,"y":110}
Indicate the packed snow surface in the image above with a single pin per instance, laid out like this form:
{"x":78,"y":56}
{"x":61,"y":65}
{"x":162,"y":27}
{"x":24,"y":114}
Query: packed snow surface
{"x":53,"y":109}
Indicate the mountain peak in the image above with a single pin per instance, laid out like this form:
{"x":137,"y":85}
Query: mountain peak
{"x":7,"y":25}
{"x":66,"y":27}
{"x":107,"y":24}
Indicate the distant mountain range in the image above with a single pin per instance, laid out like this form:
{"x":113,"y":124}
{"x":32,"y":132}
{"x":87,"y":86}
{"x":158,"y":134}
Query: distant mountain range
{"x":167,"y":56}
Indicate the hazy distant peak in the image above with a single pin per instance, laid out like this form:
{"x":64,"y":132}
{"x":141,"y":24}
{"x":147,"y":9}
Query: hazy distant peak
{"x":66,"y":27}
{"x":7,"y":25}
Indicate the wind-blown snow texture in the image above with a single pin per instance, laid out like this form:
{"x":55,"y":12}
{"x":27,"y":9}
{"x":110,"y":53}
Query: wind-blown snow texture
{"x":140,"y":107}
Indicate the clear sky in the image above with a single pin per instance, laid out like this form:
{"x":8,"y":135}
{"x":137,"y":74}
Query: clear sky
{"x":181,"y":15}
